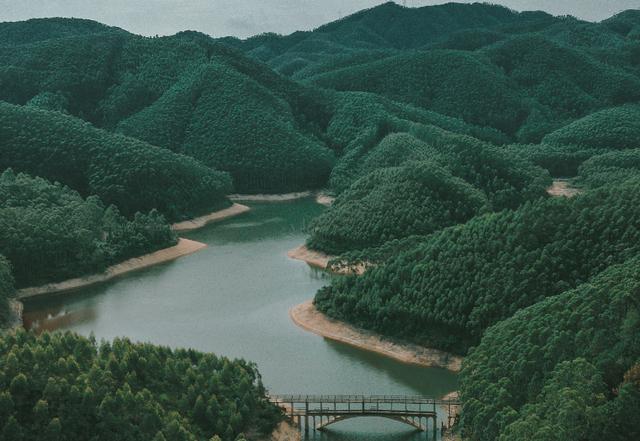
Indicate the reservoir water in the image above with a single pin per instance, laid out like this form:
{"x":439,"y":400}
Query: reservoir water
{"x":232,"y":298}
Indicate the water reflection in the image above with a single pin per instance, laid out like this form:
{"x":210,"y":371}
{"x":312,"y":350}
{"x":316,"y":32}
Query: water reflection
{"x":232,"y":298}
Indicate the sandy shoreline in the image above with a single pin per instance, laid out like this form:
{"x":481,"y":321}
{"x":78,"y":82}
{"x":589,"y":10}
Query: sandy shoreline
{"x":308,"y":317}
{"x":285,"y":431}
{"x":282,"y":197}
{"x":562,"y":187}
{"x":216,"y":216}
{"x":182,"y":248}
{"x":316,"y":259}
{"x":320,"y":260}
{"x":324,"y":199}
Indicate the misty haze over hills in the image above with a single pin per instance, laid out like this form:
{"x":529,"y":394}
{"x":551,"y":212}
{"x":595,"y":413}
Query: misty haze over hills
{"x":244,"y":18}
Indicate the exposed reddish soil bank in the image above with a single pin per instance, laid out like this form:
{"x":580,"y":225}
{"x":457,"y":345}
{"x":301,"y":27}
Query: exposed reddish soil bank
{"x":285,"y":431}
{"x":182,"y":248}
{"x":321,"y":260}
{"x":308,"y":317}
{"x":324,"y":199}
{"x":562,"y":187}
{"x":216,"y":216}
{"x":313,"y":258}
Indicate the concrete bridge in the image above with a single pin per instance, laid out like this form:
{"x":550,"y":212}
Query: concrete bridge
{"x":316,"y":412}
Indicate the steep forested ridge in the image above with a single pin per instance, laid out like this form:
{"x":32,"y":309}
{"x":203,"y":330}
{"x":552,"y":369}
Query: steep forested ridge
{"x":448,"y":287}
{"x":63,"y":386}
{"x":567,"y":367}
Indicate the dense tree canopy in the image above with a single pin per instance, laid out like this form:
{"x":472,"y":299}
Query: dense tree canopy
{"x":185,"y":92}
{"x":613,"y":129}
{"x":610,"y":168}
{"x":506,"y":179}
{"x":392,"y":203}
{"x":450,"y":82}
{"x":447,"y":288}
{"x":437,"y":129}
{"x":63,"y":386}
{"x":49,"y":233}
{"x":565,"y":368}
{"x":6,"y":290}
{"x":131,"y":174}
{"x":237,"y":125}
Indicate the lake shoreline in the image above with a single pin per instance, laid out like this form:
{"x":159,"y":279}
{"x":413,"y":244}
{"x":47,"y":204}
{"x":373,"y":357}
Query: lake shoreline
{"x":284,"y":431}
{"x":306,"y":316}
{"x":276,"y":197}
{"x":184,"y":247}
{"x":320,"y":260}
{"x":324,"y":199}
{"x":216,"y":216}
{"x":316,"y":259}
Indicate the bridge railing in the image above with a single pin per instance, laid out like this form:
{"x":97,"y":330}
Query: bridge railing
{"x":340,"y":399}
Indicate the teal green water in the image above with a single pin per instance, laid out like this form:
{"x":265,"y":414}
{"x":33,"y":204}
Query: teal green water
{"x":232,"y":299}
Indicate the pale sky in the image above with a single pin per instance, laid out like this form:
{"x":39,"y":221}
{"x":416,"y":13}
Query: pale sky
{"x":243,"y":18}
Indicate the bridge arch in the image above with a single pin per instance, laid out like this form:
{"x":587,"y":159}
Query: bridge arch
{"x":416,"y":422}
{"x":320,"y":411}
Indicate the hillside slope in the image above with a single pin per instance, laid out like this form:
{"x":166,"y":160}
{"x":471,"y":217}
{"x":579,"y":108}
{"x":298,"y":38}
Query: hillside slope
{"x":568,"y":364}
{"x":133,"y":175}
{"x":185,"y":92}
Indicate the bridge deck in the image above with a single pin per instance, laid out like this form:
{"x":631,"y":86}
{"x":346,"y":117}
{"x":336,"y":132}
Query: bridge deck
{"x":328,"y":409}
{"x":330,"y":399}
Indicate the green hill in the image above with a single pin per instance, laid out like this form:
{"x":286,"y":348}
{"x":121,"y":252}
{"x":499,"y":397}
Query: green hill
{"x":49,"y":233}
{"x":387,"y":26}
{"x":526,"y":86}
{"x":610,"y":168}
{"x":454,"y":83}
{"x":447,"y":288}
{"x":237,"y":125}
{"x":129,"y":173}
{"x":626,"y":23}
{"x":40,"y":29}
{"x":612,"y":129}
{"x":391,"y":203}
{"x":566,"y":365}
{"x":506,"y":179}
{"x":117,"y":80}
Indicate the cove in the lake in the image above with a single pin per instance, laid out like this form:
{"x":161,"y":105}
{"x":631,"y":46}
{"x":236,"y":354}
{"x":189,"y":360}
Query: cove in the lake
{"x":232,"y":298}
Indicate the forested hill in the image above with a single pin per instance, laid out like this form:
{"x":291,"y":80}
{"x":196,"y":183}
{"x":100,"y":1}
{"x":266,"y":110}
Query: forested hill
{"x":567,"y":365}
{"x":124,"y":171}
{"x":388,"y":26}
{"x":186,"y":93}
{"x":523,"y":73}
{"x":39,"y":29}
{"x":446,"y":289}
